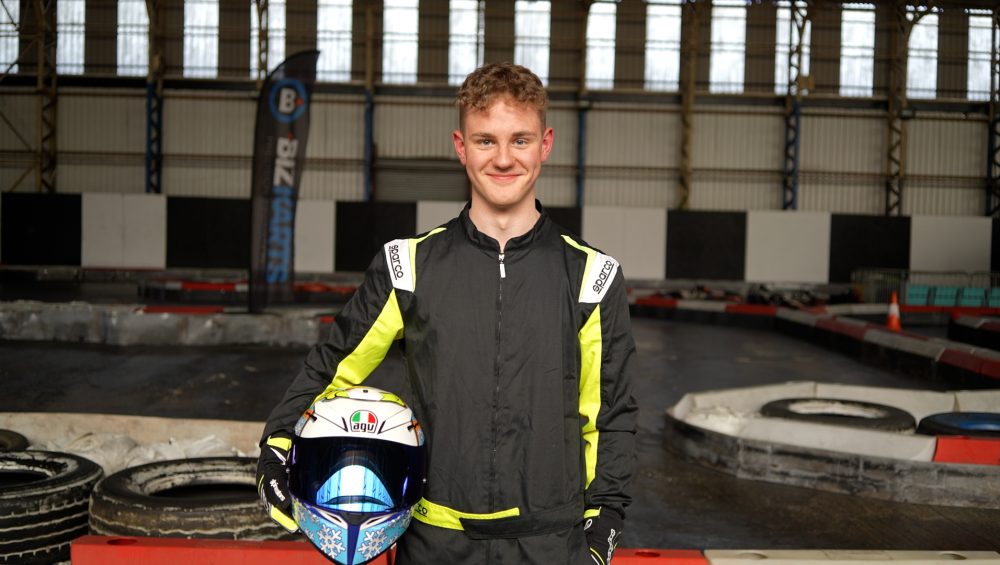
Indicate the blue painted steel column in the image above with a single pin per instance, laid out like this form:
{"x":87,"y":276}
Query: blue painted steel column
{"x":154,"y":137}
{"x":790,"y":198}
{"x":369,"y":145}
{"x":581,"y":151}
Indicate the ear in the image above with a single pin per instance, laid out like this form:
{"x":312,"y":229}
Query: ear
{"x":547,"y":139}
{"x":459,"y":142}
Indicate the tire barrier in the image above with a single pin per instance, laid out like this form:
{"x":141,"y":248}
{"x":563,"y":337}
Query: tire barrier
{"x":969,"y":424}
{"x":838,"y":412}
{"x":12,"y":441}
{"x":212,"y":497}
{"x":43,"y":504}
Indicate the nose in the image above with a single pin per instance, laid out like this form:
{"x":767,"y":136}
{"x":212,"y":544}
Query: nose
{"x":503,"y":158}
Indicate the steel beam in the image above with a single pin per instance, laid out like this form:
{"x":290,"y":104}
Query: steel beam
{"x":154,"y":100}
{"x":993,"y":157}
{"x":690,"y":16}
{"x":906,"y":15}
{"x":798,"y":84}
{"x":46,"y":152}
{"x":263,"y":31}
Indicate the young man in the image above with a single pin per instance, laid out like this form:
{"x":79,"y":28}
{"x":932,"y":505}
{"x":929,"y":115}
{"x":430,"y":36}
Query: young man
{"x":519,"y":354}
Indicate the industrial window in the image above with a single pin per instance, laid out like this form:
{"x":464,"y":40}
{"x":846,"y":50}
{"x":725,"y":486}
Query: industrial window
{"x":10,"y":19}
{"x":276,"y":25}
{"x":334,"y":20}
{"x":921,"y":63}
{"x":729,"y":42}
{"x":532,"y":29}
{"x":133,"y":38}
{"x":980,"y":46}
{"x":399,"y":43}
{"x":663,"y":44}
{"x":788,"y":36}
{"x":857,"y":49}
{"x":466,"y":27}
{"x":70,"y":17}
{"x":601,"y":45}
{"x":201,"y":38}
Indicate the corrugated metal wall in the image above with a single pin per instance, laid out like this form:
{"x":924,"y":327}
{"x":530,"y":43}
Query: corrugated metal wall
{"x":632,"y":153}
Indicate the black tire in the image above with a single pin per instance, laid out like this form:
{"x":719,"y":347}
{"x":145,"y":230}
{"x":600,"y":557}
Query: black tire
{"x":213,"y":497}
{"x":43,"y":504}
{"x":969,"y":424}
{"x":851,"y":413}
{"x":12,"y":441}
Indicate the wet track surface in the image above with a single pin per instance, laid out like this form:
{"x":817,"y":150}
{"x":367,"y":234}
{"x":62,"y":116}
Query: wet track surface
{"x":677,"y":504}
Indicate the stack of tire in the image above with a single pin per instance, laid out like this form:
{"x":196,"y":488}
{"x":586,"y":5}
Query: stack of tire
{"x":213,"y":497}
{"x":49,"y":499}
{"x":44,"y":498}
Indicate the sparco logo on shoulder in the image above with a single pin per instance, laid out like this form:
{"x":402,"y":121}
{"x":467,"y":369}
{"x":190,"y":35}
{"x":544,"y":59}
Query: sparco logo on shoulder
{"x":397,"y":267}
{"x":602,"y":277}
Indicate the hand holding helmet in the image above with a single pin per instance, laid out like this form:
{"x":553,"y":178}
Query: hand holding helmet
{"x":272,"y":480}
{"x":603,"y":532}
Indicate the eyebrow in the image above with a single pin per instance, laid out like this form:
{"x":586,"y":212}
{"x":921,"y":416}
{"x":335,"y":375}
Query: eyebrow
{"x":516,"y":134}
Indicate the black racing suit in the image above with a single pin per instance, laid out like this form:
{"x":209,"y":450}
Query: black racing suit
{"x":520,"y":367}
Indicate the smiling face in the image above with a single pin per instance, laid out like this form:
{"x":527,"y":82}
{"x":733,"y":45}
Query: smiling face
{"x":503,"y":148}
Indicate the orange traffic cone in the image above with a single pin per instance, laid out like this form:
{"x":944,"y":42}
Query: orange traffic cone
{"x":893,"y":320}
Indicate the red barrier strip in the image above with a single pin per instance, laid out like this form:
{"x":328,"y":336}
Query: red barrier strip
{"x":183,"y":309}
{"x":752,"y":309}
{"x":653,"y":556}
{"x":852,"y":330}
{"x":100,"y":550}
{"x":953,"y":310}
{"x":218,"y":287}
{"x":106,"y":550}
{"x":657,"y":301}
{"x":960,"y":449}
{"x":962,"y":359}
{"x":990,"y":368}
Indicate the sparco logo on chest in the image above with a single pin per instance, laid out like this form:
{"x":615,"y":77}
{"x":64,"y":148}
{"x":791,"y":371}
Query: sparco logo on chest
{"x":397,"y":267}
{"x":602,"y":277}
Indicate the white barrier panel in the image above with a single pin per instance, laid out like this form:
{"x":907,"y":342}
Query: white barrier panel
{"x":788,"y":247}
{"x":431,"y":214}
{"x":636,"y":237}
{"x":942,"y":243}
{"x":123,"y":231}
{"x":314,"y":224}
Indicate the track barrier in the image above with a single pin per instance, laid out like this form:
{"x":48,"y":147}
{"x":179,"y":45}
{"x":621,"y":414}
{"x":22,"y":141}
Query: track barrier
{"x":101,"y":550}
{"x":114,"y":550}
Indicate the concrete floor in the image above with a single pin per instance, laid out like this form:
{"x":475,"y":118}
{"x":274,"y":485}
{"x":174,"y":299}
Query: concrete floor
{"x":677,"y":505}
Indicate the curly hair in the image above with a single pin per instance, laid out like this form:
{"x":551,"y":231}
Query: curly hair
{"x":494,"y":80}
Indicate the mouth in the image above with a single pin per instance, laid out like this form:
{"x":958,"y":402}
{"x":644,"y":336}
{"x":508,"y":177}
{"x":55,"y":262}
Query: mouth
{"x":503,"y":178}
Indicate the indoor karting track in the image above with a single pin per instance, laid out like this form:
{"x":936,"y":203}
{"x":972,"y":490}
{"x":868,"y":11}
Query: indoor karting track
{"x":677,"y":505}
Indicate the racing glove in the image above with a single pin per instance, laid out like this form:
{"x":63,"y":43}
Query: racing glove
{"x":603,"y":532}
{"x":272,"y":480}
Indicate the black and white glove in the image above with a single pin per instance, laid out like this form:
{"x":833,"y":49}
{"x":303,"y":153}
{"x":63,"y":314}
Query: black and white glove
{"x":603,"y":532}
{"x":272,"y":480}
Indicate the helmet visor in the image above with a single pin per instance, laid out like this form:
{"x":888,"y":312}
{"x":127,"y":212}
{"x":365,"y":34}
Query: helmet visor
{"x":356,"y":474}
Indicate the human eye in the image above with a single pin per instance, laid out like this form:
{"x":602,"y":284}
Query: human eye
{"x":484,"y":142}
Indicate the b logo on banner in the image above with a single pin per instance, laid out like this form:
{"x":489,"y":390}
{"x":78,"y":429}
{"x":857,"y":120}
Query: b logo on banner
{"x":288,"y":100}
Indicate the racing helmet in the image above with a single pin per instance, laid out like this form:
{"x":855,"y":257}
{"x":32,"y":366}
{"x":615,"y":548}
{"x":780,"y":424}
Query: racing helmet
{"x":357,"y":467}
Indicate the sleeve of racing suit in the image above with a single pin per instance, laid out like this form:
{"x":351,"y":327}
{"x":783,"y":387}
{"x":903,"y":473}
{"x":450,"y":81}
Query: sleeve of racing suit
{"x":359,"y":339}
{"x":612,"y":463}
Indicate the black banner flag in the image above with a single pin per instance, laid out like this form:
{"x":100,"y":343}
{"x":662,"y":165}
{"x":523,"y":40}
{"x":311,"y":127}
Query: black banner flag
{"x":280,"y":138}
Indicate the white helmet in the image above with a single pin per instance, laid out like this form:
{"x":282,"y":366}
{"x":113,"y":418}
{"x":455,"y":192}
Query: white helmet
{"x":357,"y":467}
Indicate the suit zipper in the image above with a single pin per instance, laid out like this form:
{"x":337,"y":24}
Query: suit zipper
{"x":496,"y":391}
